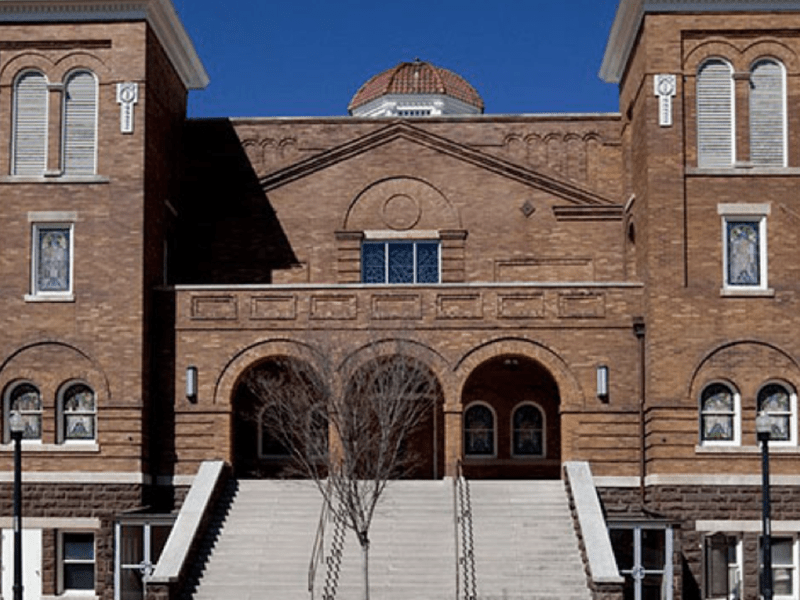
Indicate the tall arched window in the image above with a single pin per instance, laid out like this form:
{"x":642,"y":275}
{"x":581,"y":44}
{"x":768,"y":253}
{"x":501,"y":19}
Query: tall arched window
{"x":768,"y":113}
{"x":528,"y":431}
{"x":715,"y":110}
{"x":479,"y":431}
{"x":780,"y":403}
{"x":80,"y":124}
{"x":25,"y":398}
{"x":719,"y":415}
{"x":29,"y":155}
{"x":78,"y":413}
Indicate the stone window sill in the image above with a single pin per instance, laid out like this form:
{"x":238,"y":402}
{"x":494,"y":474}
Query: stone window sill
{"x":33,"y":446}
{"x":747,"y":293}
{"x":743,"y":171}
{"x":61,"y":179}
{"x":774,"y":448}
{"x":46,"y":298}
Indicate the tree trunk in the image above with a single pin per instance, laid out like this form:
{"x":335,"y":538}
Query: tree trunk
{"x":364,"y":541}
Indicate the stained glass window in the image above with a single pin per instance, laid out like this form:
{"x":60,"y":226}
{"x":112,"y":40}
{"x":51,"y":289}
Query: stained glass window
{"x":744,"y":253}
{"x":79,"y":413}
{"x":528,"y":431}
{"x":26,"y":399}
{"x":775,"y":400}
{"x":479,"y":431}
{"x":53,"y":248}
{"x":373,"y":263}
{"x":718,"y":414}
{"x":400,"y":262}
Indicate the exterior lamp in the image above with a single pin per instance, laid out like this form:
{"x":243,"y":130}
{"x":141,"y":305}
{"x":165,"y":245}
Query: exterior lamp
{"x":191,"y":383}
{"x":16,"y":426}
{"x":764,"y":431}
{"x":602,"y":382}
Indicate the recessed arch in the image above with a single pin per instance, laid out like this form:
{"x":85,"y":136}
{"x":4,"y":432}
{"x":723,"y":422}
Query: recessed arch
{"x":570,"y":391}
{"x":366,"y":211}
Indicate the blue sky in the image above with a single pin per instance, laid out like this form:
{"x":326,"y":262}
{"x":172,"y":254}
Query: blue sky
{"x":308,"y":57}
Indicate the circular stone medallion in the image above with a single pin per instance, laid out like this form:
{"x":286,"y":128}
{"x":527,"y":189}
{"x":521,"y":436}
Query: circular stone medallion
{"x":401,"y":212}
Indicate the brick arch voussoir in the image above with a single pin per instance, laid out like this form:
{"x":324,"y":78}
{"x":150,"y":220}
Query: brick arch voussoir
{"x":569,"y":389}
{"x":769,"y":48}
{"x":703,"y":373}
{"x":714,"y":48}
{"x":13,"y":369}
{"x":237,"y":366}
{"x":75,"y":61}
{"x":33,"y":61}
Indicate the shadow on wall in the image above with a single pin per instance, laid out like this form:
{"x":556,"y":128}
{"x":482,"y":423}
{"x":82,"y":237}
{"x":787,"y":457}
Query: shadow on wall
{"x":228,"y":231}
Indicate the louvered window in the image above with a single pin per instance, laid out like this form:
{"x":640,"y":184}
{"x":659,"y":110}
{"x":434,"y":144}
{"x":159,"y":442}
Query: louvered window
{"x":80,"y":124}
{"x":30,"y":124}
{"x":767,"y":114}
{"x":715,"y":114}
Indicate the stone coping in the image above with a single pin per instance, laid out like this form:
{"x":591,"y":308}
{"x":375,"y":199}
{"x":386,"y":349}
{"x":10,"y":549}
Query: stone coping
{"x":599,"y":554}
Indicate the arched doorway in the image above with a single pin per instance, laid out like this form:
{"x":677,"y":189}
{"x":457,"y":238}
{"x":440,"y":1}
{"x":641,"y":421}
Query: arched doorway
{"x":512,"y":425}
{"x":282,"y":395}
{"x":414,"y":394}
{"x":278,"y":394}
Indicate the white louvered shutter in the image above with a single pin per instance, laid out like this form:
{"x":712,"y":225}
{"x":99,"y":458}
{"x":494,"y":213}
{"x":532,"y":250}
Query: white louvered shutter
{"x":30,"y":124}
{"x":767,"y":114}
{"x":715,"y":114}
{"x":80,"y":124}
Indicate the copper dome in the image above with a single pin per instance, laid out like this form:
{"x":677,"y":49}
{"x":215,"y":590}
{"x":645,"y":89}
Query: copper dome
{"x":417,"y":77}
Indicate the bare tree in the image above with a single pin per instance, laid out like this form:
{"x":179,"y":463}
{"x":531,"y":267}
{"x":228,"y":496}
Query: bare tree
{"x":348,"y":430}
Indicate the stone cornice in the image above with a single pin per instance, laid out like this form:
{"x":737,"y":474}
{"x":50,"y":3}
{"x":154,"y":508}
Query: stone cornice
{"x":631,"y":12}
{"x":160,"y":15}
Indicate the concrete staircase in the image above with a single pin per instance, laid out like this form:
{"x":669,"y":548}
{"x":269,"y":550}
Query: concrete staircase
{"x":412,"y":546}
{"x":264,"y":546}
{"x":524,"y":546}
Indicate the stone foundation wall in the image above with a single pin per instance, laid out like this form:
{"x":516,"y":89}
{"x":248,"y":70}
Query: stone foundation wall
{"x":685,"y":505}
{"x":60,"y":501}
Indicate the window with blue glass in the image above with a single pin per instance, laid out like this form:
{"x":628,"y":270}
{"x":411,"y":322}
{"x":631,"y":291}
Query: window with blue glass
{"x":400,"y":262}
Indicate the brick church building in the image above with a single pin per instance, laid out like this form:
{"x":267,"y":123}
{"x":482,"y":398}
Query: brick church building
{"x":616,"y":290}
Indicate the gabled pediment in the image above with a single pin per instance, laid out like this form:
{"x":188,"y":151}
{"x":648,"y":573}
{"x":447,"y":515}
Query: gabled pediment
{"x":561,"y":188}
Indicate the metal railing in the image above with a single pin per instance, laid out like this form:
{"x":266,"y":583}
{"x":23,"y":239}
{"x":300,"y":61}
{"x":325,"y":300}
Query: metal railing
{"x":466,"y":581}
{"x":318,"y":549}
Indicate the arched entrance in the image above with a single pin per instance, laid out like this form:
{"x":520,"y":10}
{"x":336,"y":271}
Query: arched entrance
{"x":511,"y":420}
{"x":414,"y":395}
{"x":277,"y":394}
{"x":282,"y":395}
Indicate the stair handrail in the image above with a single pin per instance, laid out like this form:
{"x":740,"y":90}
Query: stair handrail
{"x":465,"y":555}
{"x":318,"y":549}
{"x":458,"y":473}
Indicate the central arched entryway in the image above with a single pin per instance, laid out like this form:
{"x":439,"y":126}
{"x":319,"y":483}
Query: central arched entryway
{"x":511,"y":420}
{"x":258,"y":452}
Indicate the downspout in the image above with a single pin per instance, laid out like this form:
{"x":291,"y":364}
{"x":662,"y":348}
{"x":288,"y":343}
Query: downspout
{"x":638,"y":330}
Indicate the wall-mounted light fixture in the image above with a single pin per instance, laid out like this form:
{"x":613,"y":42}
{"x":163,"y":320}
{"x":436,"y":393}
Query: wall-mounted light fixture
{"x":602,"y":382}
{"x":191,"y":383}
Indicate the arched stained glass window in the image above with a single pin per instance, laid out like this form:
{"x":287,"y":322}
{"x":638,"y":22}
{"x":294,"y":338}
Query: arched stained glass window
{"x":718,"y":414}
{"x":27,"y":400}
{"x":776,"y":400}
{"x":78,"y":413}
{"x":479,"y":431}
{"x":528,"y":438}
